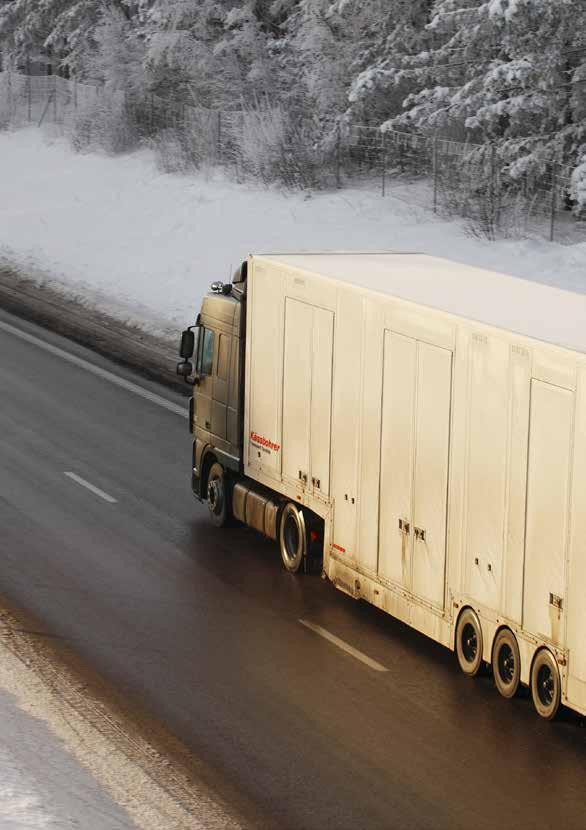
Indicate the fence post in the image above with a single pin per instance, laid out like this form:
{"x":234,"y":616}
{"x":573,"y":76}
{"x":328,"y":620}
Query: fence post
{"x":152,"y":113}
{"x":28,"y":85}
{"x":435,"y":174}
{"x":219,"y":136}
{"x":55,"y":98}
{"x":493,"y":185}
{"x":553,"y":201}
{"x":75,"y":93}
{"x":338,"y":182}
{"x":384,"y":163}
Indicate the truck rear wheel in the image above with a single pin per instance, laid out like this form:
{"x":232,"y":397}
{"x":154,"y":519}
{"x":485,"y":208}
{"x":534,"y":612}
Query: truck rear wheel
{"x":292,"y":537}
{"x":218,"y":496}
{"x":506,"y":663}
{"x":546,"y":686}
{"x":469,"y":642}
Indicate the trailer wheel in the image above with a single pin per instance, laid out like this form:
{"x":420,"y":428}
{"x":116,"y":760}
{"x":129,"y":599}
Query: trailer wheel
{"x":469,"y":642}
{"x":218,"y":496}
{"x":546,"y":686}
{"x":506,"y":663}
{"x":292,"y":537}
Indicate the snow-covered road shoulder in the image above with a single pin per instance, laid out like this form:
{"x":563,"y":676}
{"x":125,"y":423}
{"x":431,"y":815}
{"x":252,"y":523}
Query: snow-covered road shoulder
{"x":144,"y":245}
{"x":70,"y":757}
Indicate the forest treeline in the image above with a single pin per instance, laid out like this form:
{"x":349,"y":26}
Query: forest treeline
{"x":506,"y":71}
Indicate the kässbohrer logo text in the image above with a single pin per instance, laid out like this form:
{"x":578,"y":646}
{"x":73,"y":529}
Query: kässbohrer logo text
{"x":265,"y":443}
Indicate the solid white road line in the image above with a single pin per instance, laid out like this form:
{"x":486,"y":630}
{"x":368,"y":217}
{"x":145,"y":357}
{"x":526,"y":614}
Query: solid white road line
{"x":91,"y":487}
{"x":327,"y":635}
{"x":96,"y":370}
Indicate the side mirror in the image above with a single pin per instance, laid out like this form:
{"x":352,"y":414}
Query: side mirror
{"x":184,"y":368}
{"x":186,"y":348}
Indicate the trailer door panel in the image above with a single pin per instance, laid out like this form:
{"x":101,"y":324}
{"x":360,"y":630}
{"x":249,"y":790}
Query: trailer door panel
{"x":349,"y":328}
{"x":397,"y":450}
{"x":432,"y":443}
{"x":297,"y":390}
{"x":415,"y":438}
{"x":548,"y":486}
{"x":321,"y":400}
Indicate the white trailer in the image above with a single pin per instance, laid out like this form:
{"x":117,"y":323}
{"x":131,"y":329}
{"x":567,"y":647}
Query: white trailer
{"x":425,"y":422}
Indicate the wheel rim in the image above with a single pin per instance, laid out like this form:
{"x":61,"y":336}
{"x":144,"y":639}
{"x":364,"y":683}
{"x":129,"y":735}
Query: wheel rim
{"x":215,"y":496}
{"x":545,"y":686}
{"x":506,"y":664}
{"x":291,"y":538}
{"x":469,"y":643}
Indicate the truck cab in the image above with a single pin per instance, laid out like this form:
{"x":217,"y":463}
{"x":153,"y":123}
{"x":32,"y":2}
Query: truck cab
{"x":216,"y":344}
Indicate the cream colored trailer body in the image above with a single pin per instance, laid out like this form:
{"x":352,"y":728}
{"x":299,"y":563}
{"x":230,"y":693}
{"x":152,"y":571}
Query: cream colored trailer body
{"x":435,"y":416}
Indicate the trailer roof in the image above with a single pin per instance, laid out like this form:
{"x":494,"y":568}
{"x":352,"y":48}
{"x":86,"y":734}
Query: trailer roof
{"x":522,"y":306}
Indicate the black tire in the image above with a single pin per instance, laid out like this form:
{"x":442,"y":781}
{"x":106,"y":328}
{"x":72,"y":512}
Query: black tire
{"x":218,"y":495}
{"x":469,"y":642}
{"x":506,"y":663}
{"x":292,"y":538}
{"x":546,"y":684}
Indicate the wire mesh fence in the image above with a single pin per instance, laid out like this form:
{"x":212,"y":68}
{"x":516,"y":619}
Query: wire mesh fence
{"x":468,"y":180}
{"x":453,"y":178}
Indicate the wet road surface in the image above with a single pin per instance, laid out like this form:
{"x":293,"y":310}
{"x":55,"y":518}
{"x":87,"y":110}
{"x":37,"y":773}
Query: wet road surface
{"x":202,"y":626}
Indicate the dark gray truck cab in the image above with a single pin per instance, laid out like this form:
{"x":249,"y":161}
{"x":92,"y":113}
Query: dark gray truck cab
{"x":217,"y":376}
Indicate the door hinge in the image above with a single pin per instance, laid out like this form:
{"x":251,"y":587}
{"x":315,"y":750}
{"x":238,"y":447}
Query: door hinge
{"x":556,"y":601}
{"x":419,"y":533}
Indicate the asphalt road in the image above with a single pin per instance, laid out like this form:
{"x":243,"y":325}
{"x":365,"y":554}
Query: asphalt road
{"x":202,"y":625}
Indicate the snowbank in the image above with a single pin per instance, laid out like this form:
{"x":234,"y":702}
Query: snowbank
{"x":145,"y":245}
{"x":41,"y":784}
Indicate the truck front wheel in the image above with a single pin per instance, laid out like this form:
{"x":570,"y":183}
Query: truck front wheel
{"x":218,"y":495}
{"x":292,"y":537}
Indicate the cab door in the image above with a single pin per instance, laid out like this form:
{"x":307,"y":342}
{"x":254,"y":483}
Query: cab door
{"x":204,"y":368}
{"x":220,"y":384}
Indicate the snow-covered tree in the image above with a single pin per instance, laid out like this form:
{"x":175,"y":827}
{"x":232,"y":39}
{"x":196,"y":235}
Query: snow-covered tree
{"x":116,"y":53}
{"x":393,"y":44}
{"x":507,"y":70}
{"x":63,"y":28}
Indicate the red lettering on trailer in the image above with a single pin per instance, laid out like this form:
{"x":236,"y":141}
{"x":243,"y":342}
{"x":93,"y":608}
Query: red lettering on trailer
{"x":266,"y":443}
{"x":342,"y":550}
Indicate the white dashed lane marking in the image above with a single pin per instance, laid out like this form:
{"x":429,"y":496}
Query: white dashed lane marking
{"x":91,"y":487}
{"x":342,"y":644}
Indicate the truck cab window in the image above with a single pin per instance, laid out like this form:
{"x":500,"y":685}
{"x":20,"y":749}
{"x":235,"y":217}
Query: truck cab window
{"x":223,"y":356}
{"x":206,"y":352}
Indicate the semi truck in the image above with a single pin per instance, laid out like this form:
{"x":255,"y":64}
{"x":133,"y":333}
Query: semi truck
{"x":419,"y":427}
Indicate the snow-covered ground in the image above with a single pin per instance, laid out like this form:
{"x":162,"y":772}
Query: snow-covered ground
{"x":44,"y":786}
{"x":42,"y":783}
{"x":145,"y":245}
{"x":70,"y":759}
